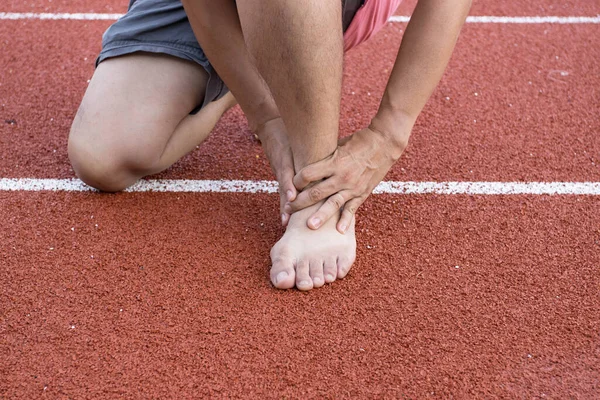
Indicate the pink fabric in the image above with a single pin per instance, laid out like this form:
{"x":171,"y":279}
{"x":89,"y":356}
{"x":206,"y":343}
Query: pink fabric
{"x":369,"y":19}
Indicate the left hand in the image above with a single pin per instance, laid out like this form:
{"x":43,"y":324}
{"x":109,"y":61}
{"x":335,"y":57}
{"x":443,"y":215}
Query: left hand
{"x":349,"y":176}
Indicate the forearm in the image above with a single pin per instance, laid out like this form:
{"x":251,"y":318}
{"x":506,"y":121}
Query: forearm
{"x":217,"y":29}
{"x":426,"y":48}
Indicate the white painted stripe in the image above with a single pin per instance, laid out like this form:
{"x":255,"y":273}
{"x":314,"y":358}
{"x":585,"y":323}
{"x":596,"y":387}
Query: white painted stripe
{"x":476,"y":19}
{"x":54,"y":16}
{"x":396,"y":18}
{"x":490,"y":188}
{"x":238,"y":186}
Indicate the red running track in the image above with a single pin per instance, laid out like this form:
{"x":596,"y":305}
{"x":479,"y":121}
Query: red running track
{"x":527,"y":121}
{"x":519,"y":318}
{"x":167,"y":295}
{"x":480,"y":7}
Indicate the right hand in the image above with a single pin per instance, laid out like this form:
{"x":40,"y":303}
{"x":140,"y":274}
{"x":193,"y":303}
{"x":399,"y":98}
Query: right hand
{"x":274,"y":139}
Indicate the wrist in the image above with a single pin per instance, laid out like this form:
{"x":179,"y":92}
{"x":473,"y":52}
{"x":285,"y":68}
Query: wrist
{"x":395,"y":127}
{"x":260,"y":114}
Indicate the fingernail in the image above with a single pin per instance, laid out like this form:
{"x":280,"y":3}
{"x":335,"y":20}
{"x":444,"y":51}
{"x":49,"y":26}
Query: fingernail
{"x":316,"y":222}
{"x":289,"y":195}
{"x":283,"y":218}
{"x":343,"y":228}
{"x":281,"y":276}
{"x":287,"y":208}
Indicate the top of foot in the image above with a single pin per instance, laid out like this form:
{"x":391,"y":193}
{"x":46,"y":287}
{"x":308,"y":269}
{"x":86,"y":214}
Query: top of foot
{"x":307,"y":258}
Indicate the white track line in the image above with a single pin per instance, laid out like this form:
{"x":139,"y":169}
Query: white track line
{"x":238,"y":186}
{"x":75,"y":16}
{"x":476,"y":19}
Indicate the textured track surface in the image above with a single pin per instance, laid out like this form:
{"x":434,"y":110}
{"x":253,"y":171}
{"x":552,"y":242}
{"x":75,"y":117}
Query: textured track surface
{"x":512,"y":96}
{"x":480,"y":7}
{"x":167,"y":295}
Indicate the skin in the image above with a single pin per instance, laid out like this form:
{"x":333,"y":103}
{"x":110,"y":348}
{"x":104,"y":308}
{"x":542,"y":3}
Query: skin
{"x":297,"y":48}
{"x":112,"y":144}
{"x":218,"y":30}
{"x":348,"y":176}
{"x":306,"y":90}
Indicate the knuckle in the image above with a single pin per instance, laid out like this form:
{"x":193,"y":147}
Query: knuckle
{"x":315,"y":194}
{"x":347,"y":176}
{"x":351,"y":209}
{"x":337,"y":200}
{"x":306,"y":175}
{"x":280,"y":252}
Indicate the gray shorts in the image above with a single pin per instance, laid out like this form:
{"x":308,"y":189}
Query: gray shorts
{"x":161,"y":26}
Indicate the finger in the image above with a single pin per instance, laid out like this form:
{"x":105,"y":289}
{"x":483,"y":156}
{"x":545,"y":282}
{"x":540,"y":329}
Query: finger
{"x":287,"y":193}
{"x":330,"y":208}
{"x":285,"y":218}
{"x":288,"y":188}
{"x":348,"y":214}
{"x":344,"y":140}
{"x":282,"y":202}
{"x":312,"y":173}
{"x":314,"y":194}
{"x":286,"y":183}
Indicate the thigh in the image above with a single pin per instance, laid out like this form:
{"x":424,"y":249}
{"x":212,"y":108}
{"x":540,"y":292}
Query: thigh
{"x":134,"y":103}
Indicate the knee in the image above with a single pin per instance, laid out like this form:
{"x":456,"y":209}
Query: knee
{"x":104,"y":171}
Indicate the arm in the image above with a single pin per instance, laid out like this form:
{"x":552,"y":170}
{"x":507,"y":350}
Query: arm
{"x":217,"y":28}
{"x":424,"y":54}
{"x":362,"y":160}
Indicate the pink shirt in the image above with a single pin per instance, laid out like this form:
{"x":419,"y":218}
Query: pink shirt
{"x":369,"y":19}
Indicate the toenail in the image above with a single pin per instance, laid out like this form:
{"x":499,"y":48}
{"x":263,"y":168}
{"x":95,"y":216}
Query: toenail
{"x":329,"y":277}
{"x":304,"y":283}
{"x":281,"y":276}
{"x":317,"y":280}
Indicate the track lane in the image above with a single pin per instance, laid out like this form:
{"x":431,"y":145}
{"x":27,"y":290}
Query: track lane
{"x":176,"y":301}
{"x":534,"y":118}
{"x":522,"y":7}
{"x":479,"y":7}
{"x":65,"y":6}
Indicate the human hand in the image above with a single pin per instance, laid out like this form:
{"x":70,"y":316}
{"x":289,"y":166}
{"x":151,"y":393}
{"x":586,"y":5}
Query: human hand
{"x":348,"y":176}
{"x":273,"y":137}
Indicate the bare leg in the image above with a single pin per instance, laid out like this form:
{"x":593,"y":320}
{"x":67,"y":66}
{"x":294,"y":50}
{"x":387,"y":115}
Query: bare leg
{"x":298,"y":47}
{"x":134,"y":119}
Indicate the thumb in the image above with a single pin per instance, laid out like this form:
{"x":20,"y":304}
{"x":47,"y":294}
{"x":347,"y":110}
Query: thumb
{"x":287,"y":193}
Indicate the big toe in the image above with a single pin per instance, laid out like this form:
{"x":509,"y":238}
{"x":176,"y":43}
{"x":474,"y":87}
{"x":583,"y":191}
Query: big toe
{"x":282,"y":273}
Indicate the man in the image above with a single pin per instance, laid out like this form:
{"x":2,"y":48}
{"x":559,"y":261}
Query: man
{"x":162,"y":84}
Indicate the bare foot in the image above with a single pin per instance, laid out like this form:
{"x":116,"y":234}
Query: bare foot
{"x":308,"y":259}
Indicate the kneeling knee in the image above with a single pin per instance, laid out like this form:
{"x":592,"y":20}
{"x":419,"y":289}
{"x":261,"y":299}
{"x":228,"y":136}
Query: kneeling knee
{"x":103,"y":172}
